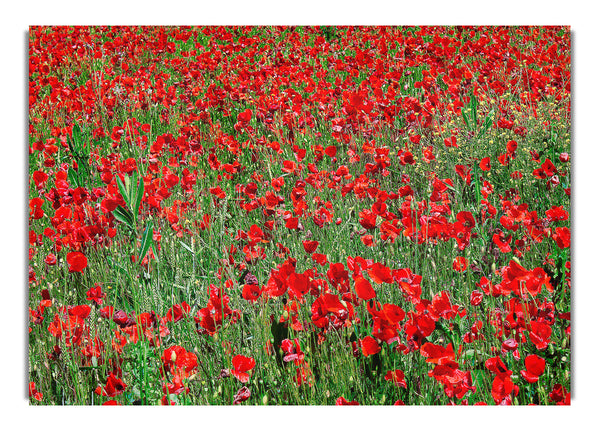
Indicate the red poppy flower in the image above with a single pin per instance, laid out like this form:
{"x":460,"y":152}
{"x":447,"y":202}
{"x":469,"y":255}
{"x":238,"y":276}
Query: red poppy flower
{"x":367,"y":219}
{"x":114,"y":386}
{"x":464,"y":172}
{"x":503,"y":159}
{"x":289,"y":166}
{"x":178,"y":312}
{"x":450,"y":142}
{"x":370,"y":346}
{"x":415,"y":139}
{"x":176,"y":387}
{"x":95,"y":294}
{"x":410,"y":283}
{"x":367,"y":240}
{"x":40,"y":178}
{"x":534,"y":368}
{"x":292,"y":351}
{"x":560,"y":395}
{"x":509,"y":344}
{"x":218,"y":192}
{"x":476,"y":298}
{"x":397,"y":377}
{"x":466,"y":219}
{"x":460,"y":264}
{"x":562,"y":236}
{"x":364,"y":290}
{"x":331,"y":150}
{"x":292,"y":223}
{"x":34,"y":393}
{"x":341,"y":401}
{"x":406,"y":158}
{"x":310,"y":246}
{"x":540,"y":334}
{"x":242,"y":395}
{"x":557,"y":213}
{"x":107,"y":312}
{"x":298,"y":284}
{"x":380,"y":273}
{"x":496,"y":366}
{"x":35,"y":205}
{"x":438,"y":355}
{"x":502,"y":388}
{"x":50,"y":259}
{"x":241,"y":365}
{"x":319,"y":258}
{"x":548,"y":168}
{"x":77,"y":261}
{"x":251,"y":292}
{"x":484,"y":164}
{"x":503,"y":242}
{"x":278,"y":183}
{"x":179,"y":362}
{"x":80,"y":311}
{"x":393,"y":313}
{"x":245,"y":116}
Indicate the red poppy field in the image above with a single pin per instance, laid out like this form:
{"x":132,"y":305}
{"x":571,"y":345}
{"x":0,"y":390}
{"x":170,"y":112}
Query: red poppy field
{"x":299,"y":215}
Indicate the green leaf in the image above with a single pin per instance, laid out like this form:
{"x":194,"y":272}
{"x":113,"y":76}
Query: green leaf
{"x":123,"y":191}
{"x":138,"y":198}
{"x":489,"y":120}
{"x":77,"y":138}
{"x":124,"y":216}
{"x":73,"y":178}
{"x":466,"y":119}
{"x":131,"y":186}
{"x":146,"y":241}
{"x":474,"y":109}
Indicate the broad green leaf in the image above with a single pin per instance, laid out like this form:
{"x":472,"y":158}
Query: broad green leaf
{"x":124,"y":216}
{"x":146,"y":241}
{"x":73,"y":178}
{"x":123,"y":191}
{"x":77,"y":138}
{"x":131,"y":185}
{"x":466,"y":118}
{"x":489,"y":120}
{"x":138,"y":198}
{"x":474,"y":110}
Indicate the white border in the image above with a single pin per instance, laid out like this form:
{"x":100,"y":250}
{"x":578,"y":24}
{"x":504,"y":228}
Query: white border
{"x":576,"y":13}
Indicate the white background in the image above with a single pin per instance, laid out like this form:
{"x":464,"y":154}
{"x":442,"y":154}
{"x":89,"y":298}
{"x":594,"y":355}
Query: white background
{"x":13,"y":209}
